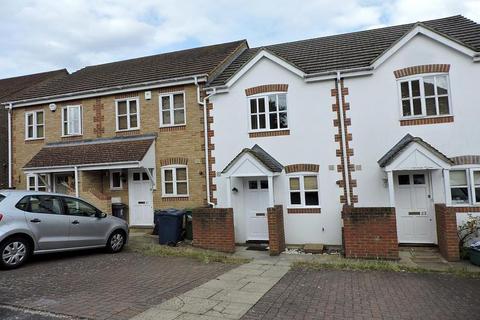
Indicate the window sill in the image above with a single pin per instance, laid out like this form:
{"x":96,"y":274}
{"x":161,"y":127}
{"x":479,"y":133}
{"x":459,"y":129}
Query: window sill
{"x":175,"y":198}
{"x":34,"y":140}
{"x":269,"y":133}
{"x":304,"y":210}
{"x":425,"y":120}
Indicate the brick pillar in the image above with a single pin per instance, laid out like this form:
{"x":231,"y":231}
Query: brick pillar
{"x":370,"y":233}
{"x":276,"y":230}
{"x":447,"y":232}
{"x":213,"y":229}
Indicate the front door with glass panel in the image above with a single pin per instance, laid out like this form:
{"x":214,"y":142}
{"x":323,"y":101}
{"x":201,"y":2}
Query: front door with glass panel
{"x":414,"y":208}
{"x":140,"y":198}
{"x":256,"y":204}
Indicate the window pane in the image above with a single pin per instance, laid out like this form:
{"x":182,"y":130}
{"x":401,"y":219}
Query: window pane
{"x":404,"y":89}
{"x":166,"y":103}
{"x":182,"y":188}
{"x":133,"y":106}
{"x":476,"y":178}
{"x":429,"y":86}
{"x":252,"y":184}
{"x":31,"y":183}
{"x":459,"y":195}
{"x":417,"y":107}
{"x":415,"y":88}
{"x":253,"y":105}
{"x":294,"y":183}
{"x":282,"y":102}
{"x":40,"y":132}
{"x":272,"y":103}
{"x":181,"y":174}
{"x":261,"y":105}
{"x":122,"y":123}
{"x":122,"y":107}
{"x":311,"y":198}
{"x":133,"y":122}
{"x":145,"y":176}
{"x":442,"y":85}
{"x":116,"y":182}
{"x":178,"y":101}
{"x":418,"y":179}
{"x":39,"y":117}
{"x":263,"y":184}
{"x":166,"y":117}
{"x":283,"y":120}
{"x":30,"y":119}
{"x":45,"y":204}
{"x":406,"y":108}
{"x":253,"y":121}
{"x":179,"y":116}
{"x":310,"y":183}
{"x":403,"y":179}
{"x":273,"y":121}
{"x":263,"y":124}
{"x":443,"y":105}
{"x":168,"y":175}
{"x":431,"y":108}
{"x":477,"y":195}
{"x":136,"y":176}
{"x":65,"y":128}
{"x":458,"y":178}
{"x":30,"y":132}
{"x":169,"y":188}
{"x":295,"y":198}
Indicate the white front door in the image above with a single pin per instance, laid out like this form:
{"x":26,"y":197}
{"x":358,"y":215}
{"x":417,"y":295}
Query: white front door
{"x":414,"y":208}
{"x":256,"y":204}
{"x":140,"y":198}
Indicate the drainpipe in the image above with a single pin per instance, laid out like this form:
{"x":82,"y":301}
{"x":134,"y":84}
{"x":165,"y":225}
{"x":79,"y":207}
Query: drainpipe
{"x":346,"y":169}
{"x":76,"y":182}
{"x":9,"y":128}
{"x":205,"y":129}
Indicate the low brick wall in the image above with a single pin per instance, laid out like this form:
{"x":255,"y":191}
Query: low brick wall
{"x":370,"y":233}
{"x":213,"y":229}
{"x":276,"y":230}
{"x":447,"y":232}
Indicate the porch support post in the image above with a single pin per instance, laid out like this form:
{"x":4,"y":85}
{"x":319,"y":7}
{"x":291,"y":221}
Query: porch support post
{"x":446,"y":182}
{"x":391,"y":188}
{"x":229,"y":192}
{"x":270,"y":192}
{"x":76,"y":182}
{"x":150,"y":176}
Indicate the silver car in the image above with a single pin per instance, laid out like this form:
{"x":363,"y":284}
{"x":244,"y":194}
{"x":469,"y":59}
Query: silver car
{"x":39,"y":222}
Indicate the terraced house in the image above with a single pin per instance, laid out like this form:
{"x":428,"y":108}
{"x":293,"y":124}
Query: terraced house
{"x":129,"y":132}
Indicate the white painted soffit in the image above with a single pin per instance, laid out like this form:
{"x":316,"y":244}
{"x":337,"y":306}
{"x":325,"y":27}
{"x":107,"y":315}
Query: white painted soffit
{"x":247,"y":165}
{"x":416,"y":157}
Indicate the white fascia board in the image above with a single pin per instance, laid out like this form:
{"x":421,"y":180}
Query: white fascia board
{"x":85,"y":167}
{"x":258,"y":56}
{"x":333,"y":75}
{"x":428,"y":33}
{"x":107,"y":91}
{"x":396,"y":164}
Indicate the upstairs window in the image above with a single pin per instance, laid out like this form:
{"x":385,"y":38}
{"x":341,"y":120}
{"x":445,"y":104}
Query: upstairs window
{"x":128,"y":115}
{"x":425,"y":96}
{"x":34,"y":125}
{"x":268,"y":112}
{"x":304,"y":191}
{"x":172,"y":109}
{"x":72,"y":120}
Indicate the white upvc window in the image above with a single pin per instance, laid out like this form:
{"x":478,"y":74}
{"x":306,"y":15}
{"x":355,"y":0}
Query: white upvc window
{"x":425,"y":96}
{"x":175,"y":181}
{"x":475,"y":176}
{"x":72,"y":120}
{"x":465,"y":186}
{"x":35,"y":183}
{"x":127,"y":114}
{"x":172,"y":109}
{"x":34,"y":125}
{"x":303,"y":191}
{"x":116,"y":182}
{"x":268,"y":112}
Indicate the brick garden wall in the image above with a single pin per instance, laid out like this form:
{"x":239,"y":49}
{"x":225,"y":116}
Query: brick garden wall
{"x":370,"y":233}
{"x":213,"y":229}
{"x":447,"y":232}
{"x":276,"y":230}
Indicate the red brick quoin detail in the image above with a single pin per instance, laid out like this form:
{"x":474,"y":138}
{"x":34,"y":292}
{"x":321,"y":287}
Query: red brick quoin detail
{"x":370,"y":233}
{"x":98,"y":118}
{"x":434,"y":120}
{"x":213,"y":229}
{"x":302,"y":167}
{"x":266,"y":88}
{"x":427,"y":68}
{"x":276,"y":230}
{"x":170,"y":161}
{"x":269,"y":134}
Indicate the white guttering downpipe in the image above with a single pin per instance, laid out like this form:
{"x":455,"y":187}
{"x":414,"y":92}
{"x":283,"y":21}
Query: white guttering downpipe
{"x":346,"y":169}
{"x":9,"y":128}
{"x":205,"y":129}
{"x":76,"y":182}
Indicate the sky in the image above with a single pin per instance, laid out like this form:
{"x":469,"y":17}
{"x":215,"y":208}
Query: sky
{"x":42,"y":35}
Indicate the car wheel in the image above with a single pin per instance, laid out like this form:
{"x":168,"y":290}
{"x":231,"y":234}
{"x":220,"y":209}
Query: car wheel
{"x":116,"y":241}
{"x":14,"y":252}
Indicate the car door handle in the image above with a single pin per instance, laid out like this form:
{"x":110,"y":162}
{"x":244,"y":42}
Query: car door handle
{"x":75,"y":222}
{"x":36,"y":220}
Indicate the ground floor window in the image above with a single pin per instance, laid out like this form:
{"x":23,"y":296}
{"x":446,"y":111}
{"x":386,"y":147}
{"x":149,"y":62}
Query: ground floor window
{"x":175,"y":181}
{"x":303,"y":191}
{"x":465,"y":186}
{"x":116,"y":180}
{"x":38,"y":182}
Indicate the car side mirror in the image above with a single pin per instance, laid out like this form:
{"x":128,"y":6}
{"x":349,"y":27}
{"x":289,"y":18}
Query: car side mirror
{"x":101,"y":215}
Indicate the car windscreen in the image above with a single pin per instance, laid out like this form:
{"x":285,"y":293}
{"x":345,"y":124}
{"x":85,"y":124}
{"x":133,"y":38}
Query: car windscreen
{"x":1,"y":197}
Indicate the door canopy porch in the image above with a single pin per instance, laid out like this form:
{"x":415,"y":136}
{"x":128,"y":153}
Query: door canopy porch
{"x":253,"y":162}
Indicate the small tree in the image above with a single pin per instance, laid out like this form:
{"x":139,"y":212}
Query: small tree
{"x":467,"y":231}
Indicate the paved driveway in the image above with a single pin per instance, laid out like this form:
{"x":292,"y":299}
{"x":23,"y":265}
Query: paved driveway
{"x":333,"y":294}
{"x":96,"y":285}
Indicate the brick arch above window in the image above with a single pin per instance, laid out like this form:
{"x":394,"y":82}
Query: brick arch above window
{"x":171,"y":161}
{"x":426,"y":68}
{"x":302,"y":167}
{"x":266,"y":88}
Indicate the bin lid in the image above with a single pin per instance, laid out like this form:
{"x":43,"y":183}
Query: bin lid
{"x":171,"y":212}
{"x":122,"y":205}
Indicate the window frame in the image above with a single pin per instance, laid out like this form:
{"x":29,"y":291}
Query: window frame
{"x":474,"y":186}
{"x":267,"y":112}
{"x":301,"y":176}
{"x":469,"y":172}
{"x":36,"y":184}
{"x":112,"y":187}
{"x":420,"y":78}
{"x":128,"y":114}
{"x":34,"y":125}
{"x":172,"y":109}
{"x":174,"y":181}
{"x":66,"y":121}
